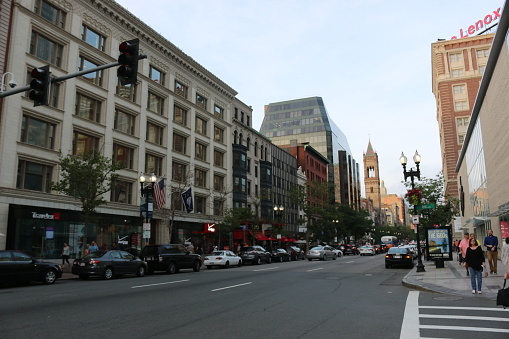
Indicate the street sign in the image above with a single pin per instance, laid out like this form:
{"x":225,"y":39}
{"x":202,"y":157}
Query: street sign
{"x":426,"y":207}
{"x":146,"y":226}
{"x":415,"y":219}
{"x":146,"y":234}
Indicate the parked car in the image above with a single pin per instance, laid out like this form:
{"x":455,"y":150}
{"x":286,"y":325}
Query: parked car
{"x":255,"y":255}
{"x":367,"y":250}
{"x":349,"y":249}
{"x":413,"y":249}
{"x":280,"y":255}
{"x":296,"y":253}
{"x":321,"y":253}
{"x":108,"y":264}
{"x":399,"y":256}
{"x":21,"y":268}
{"x":338,"y":252}
{"x":222,"y":258}
{"x":378,"y":249}
{"x":170,"y":258}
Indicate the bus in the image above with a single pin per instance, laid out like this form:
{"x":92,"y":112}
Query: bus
{"x":389,"y":241}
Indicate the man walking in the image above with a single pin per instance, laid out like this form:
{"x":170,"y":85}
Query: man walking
{"x":491,"y":243}
{"x":463,"y":249}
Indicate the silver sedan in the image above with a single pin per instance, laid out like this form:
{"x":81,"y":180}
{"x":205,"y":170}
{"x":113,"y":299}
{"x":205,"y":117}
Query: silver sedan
{"x":321,"y":253}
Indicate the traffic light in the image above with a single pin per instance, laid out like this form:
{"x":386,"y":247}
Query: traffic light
{"x":40,"y":85}
{"x":128,"y":59}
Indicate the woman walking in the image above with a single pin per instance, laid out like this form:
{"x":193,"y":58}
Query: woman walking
{"x":475,"y":261}
{"x":66,"y":252}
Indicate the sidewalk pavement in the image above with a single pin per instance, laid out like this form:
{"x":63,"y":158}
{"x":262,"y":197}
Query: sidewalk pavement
{"x":453,"y":279}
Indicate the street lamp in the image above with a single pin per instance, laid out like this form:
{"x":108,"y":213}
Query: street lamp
{"x":412,"y":174}
{"x":336,"y":223}
{"x":146,"y":190}
{"x":278,"y":213}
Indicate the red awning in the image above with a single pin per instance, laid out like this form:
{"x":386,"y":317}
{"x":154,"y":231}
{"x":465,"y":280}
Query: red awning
{"x":261,"y":237}
{"x":291,"y":240}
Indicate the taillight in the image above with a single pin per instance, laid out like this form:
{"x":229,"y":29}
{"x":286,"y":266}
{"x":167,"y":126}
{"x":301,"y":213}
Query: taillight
{"x":219,"y":258}
{"x":93,"y":262}
{"x":387,"y":256}
{"x":408,"y":257}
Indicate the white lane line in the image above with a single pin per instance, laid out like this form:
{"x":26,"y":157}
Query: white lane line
{"x":164,"y":283}
{"x":463,"y":308}
{"x":410,"y":326}
{"x":463,"y":328}
{"x":224,"y":288}
{"x":265,"y":269}
{"x":349,"y":262}
{"x":464,"y":317}
{"x":316,"y":269}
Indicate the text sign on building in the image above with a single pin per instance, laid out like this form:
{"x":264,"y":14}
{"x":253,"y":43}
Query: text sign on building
{"x":480,"y":24}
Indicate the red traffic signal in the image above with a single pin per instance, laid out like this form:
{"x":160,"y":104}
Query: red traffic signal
{"x":40,"y":85}
{"x":128,"y":59}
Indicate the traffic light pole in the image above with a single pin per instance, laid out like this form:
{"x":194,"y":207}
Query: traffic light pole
{"x":66,"y":77}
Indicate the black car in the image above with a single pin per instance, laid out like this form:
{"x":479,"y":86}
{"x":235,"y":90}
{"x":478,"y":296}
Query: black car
{"x":255,"y":255}
{"x":296,"y":253}
{"x":349,"y":249}
{"x":399,"y":256}
{"x":19,"y":267}
{"x":280,"y":255}
{"x":170,"y":258}
{"x":108,"y":264}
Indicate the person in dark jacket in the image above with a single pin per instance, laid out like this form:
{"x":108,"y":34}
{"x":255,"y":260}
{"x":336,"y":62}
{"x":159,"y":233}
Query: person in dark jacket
{"x":475,"y":261}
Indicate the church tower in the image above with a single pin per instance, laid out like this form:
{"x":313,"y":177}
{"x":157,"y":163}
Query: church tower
{"x":372,"y":177}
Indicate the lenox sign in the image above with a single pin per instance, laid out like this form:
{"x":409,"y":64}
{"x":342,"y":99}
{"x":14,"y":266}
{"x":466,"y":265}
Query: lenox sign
{"x":488,"y":19}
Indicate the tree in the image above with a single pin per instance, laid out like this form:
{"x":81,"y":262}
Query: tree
{"x":86,"y":177}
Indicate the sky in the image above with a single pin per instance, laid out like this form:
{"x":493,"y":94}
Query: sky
{"x":370,"y":61}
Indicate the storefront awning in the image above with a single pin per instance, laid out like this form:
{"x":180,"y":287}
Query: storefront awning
{"x":262,"y":237}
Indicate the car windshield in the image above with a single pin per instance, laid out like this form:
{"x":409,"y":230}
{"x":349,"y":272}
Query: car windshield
{"x":397,"y":250}
{"x":96,"y":254}
{"x":317,"y":248}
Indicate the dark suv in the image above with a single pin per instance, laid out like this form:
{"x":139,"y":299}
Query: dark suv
{"x":349,"y":249}
{"x":169,"y":258}
{"x":255,"y":255}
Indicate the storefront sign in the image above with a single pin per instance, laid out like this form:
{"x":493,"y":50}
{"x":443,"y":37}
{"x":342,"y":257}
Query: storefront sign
{"x":438,"y":243}
{"x":209,"y":228}
{"x":47,"y":216}
{"x":480,"y":24}
{"x":123,"y":240}
{"x":504,"y":230}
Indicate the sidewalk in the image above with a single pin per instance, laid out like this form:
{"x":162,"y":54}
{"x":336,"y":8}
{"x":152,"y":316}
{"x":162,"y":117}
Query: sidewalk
{"x":452,"y":279}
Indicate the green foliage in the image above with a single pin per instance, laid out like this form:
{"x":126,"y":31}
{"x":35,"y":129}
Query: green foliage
{"x":235,"y":217}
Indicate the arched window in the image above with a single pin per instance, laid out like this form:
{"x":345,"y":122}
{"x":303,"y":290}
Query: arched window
{"x":240,"y":138}
{"x":256,"y":148}
{"x":235,"y":137}
{"x":247,"y":143}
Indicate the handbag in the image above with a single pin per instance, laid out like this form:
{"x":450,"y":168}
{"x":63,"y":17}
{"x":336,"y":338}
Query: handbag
{"x":503,"y":296}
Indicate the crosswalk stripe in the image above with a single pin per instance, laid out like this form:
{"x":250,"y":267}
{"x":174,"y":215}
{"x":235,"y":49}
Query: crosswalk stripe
{"x":464,"y":308}
{"x":464,"y":328}
{"x":464,"y":317}
{"x":410,"y":326}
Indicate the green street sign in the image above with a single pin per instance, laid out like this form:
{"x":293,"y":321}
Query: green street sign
{"x":426,"y":207}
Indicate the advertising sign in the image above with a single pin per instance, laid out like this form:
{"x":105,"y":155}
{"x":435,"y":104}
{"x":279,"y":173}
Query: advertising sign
{"x":438,"y":243}
{"x":209,"y":227}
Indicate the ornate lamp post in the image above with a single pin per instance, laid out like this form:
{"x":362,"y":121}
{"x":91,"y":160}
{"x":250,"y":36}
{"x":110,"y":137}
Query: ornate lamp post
{"x":336,"y":223}
{"x":412,"y":174}
{"x":278,"y":213}
{"x":146,"y":190}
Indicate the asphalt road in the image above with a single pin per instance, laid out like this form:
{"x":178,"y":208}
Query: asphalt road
{"x":352,"y":297}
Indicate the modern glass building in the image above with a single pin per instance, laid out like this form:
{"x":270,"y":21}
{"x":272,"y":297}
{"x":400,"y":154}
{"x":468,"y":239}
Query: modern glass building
{"x":306,"y":120}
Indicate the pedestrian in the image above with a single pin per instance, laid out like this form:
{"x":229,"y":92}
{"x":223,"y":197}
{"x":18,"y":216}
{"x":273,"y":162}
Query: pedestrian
{"x":190,"y":247}
{"x":93,"y":248}
{"x":66,"y":252}
{"x":463,"y":250}
{"x":115,"y":247}
{"x":472,"y":236}
{"x":505,"y":253}
{"x":491,"y":244}
{"x":476,"y":264}
{"x":87,"y":249}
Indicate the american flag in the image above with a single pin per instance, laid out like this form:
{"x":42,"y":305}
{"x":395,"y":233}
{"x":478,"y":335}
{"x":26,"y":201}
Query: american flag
{"x":159,"y":194}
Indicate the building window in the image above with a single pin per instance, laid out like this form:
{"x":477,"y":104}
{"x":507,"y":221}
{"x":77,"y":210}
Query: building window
{"x":236,"y":115}
{"x":34,"y":177}
{"x":462,"y":121}
{"x":37,"y":132}
{"x":248,"y":141}
{"x":55,"y":91}
{"x":178,"y":172}
{"x":179,"y":143}
{"x":127,"y":92}
{"x":256,"y":171}
{"x":200,"y":204}
{"x":46,"y":49}
{"x":248,"y":120}
{"x":121,"y":191}
{"x":201,"y":101}
{"x":180,"y":89}
{"x":50,"y":13}
{"x":156,"y":75}
{"x":218,"y":158}
{"x":176,"y":201}
{"x":256,"y":148}
{"x":200,"y":126}
{"x":461,"y":138}
{"x":200,"y":151}
{"x":155,"y":133}
{"x":218,"y":183}
{"x":124,"y":122}
{"x":456,"y":73}
{"x":248,"y":165}
{"x":155,"y":103}
{"x":83,"y":143}
{"x":153,"y":164}
{"x":218,"y":111}
{"x":218,"y":207}
{"x":179,"y":115}
{"x":92,"y":38}
{"x":241,"y":117}
{"x":200,"y":178}
{"x":455,"y":57}
{"x":88,"y":108}
{"x":95,"y":77}
{"x":483,"y":53}
{"x":124,"y":156}
{"x":460,"y":106}
{"x":457,"y":89}
{"x":218,"y":134}
{"x":482,"y":69}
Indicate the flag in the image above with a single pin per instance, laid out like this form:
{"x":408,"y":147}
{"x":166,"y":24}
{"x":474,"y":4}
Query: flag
{"x":159,"y":194}
{"x":187,"y":198}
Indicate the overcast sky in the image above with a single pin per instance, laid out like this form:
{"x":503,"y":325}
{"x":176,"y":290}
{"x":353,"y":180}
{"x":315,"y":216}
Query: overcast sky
{"x":370,"y":61}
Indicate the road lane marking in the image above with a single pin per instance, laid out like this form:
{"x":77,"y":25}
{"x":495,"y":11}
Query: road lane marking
{"x":164,"y":283}
{"x":463,"y":308}
{"x":463,"y":328}
{"x":316,"y":269}
{"x":349,"y":262}
{"x":224,"y":288}
{"x":464,"y":317}
{"x":410,"y":326}
{"x":265,"y":269}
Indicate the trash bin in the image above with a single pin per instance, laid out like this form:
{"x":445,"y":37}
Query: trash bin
{"x":439,"y":263}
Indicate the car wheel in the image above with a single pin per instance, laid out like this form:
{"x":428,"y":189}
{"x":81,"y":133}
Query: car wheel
{"x":309,"y":259}
{"x":280,"y":259}
{"x":108,"y":273}
{"x":334,"y":257}
{"x":141,"y":271}
{"x":84,"y":276}
{"x":197,"y":266}
{"x":227,"y":265}
{"x":172,"y":268}
{"x":50,"y":276}
{"x":269,"y":260}
{"x":240,"y":263}
{"x":209,"y":267}
{"x":258,"y":261}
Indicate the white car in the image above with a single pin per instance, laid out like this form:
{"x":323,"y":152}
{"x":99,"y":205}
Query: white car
{"x":367,"y":250}
{"x":222,"y":258}
{"x":339,"y":253}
